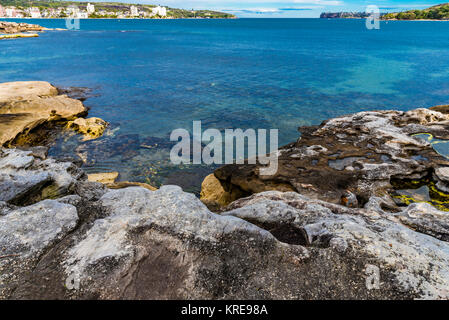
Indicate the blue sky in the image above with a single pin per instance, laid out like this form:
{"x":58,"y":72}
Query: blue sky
{"x":289,"y":8}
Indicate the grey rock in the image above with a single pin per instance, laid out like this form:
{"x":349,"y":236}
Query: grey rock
{"x":411,"y":259}
{"x":14,"y":187}
{"x":73,"y":199}
{"x":91,"y":191}
{"x":92,"y":242}
{"x":361,"y":152}
{"x":30,"y":229}
{"x":26,"y":178}
{"x":424,"y":218}
{"x":26,"y":233}
{"x":40,"y":152}
{"x":5,"y":208}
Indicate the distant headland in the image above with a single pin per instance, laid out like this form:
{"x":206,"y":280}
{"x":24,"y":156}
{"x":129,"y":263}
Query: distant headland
{"x":344,"y":15}
{"x":50,"y":9}
{"x":438,"y":12}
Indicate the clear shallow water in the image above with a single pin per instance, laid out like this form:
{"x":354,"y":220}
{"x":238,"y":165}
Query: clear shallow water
{"x":152,"y":76}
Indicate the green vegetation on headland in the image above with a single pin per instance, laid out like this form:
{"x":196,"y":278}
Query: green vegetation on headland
{"x":438,"y":12}
{"x":344,"y":15}
{"x":61,"y":9}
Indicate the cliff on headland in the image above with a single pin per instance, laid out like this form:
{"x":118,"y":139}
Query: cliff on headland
{"x":344,"y":15}
{"x":328,"y":229}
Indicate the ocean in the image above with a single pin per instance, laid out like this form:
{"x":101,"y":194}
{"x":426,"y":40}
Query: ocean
{"x":149,"y":77}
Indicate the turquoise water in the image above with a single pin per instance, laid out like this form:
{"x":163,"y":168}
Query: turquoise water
{"x":151,"y":76}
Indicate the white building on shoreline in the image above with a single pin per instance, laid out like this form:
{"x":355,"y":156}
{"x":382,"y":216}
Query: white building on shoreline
{"x":34,"y":12}
{"x":161,"y":11}
{"x":76,"y":13}
{"x":10,"y":12}
{"x":2,"y":12}
{"x":134,"y":11}
{"x":90,"y":8}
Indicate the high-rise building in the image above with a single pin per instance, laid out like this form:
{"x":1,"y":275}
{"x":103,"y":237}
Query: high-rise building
{"x":134,"y":11}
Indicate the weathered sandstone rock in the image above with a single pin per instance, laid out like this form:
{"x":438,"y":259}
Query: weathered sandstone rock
{"x":14,"y":27}
{"x":361,"y":154}
{"x":18,"y":35}
{"x":26,"y":106}
{"x":126,"y":184}
{"x":109,"y":179}
{"x":104,"y":177}
{"x":133,"y":243}
{"x":25,"y":178}
{"x":214,"y":196}
{"x":91,"y":128}
{"x":27,"y":233}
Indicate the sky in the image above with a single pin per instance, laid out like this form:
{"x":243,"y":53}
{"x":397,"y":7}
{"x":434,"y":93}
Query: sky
{"x":289,"y":8}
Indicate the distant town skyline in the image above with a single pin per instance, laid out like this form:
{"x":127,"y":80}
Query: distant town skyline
{"x":288,"y":9}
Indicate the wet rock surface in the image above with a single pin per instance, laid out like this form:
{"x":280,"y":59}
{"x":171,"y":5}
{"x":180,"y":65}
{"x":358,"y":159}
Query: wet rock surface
{"x":357,"y":154}
{"x":91,"y":242}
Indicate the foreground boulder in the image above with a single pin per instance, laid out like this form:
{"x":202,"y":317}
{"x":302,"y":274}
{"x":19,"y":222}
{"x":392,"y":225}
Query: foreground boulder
{"x":357,"y":156}
{"x":95,"y":243}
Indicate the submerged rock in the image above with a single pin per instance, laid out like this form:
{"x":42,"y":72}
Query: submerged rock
{"x":104,"y":177}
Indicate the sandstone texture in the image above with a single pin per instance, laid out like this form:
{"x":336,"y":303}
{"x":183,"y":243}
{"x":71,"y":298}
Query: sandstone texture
{"x":91,"y":128}
{"x":104,"y":177}
{"x":214,"y":195}
{"x":364,"y":155}
{"x":86,"y":241}
{"x":28,"y":106}
{"x":14,"y":27}
{"x":109,"y":179}
{"x":18,"y":35}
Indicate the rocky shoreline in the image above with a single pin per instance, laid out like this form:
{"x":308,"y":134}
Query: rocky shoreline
{"x":325,"y":227}
{"x":359,"y":156}
{"x":29,"y":109}
{"x":11,"y":30}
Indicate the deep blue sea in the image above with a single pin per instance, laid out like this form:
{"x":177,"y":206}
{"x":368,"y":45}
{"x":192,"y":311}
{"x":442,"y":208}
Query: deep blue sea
{"x":149,"y":77}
